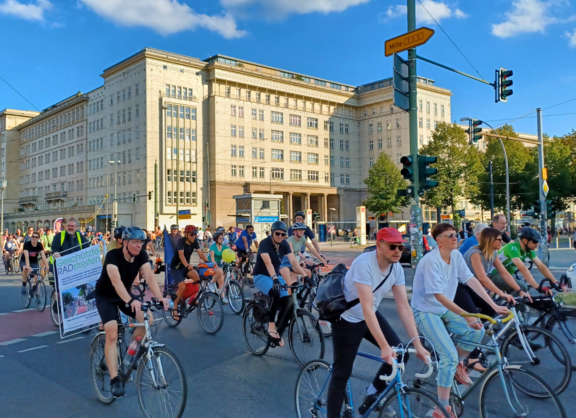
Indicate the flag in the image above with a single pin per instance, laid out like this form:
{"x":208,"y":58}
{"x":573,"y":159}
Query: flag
{"x":168,"y":254}
{"x":57,"y":225}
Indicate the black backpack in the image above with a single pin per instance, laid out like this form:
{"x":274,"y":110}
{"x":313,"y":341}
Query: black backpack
{"x":330,"y":301}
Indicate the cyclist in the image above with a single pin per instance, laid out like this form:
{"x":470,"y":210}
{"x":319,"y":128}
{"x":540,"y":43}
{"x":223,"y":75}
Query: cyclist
{"x":174,"y":236}
{"x":268,"y":279}
{"x":47,"y":239}
{"x":436,"y":314}
{"x":298,"y":245}
{"x":26,"y":238}
{"x":308,"y":233}
{"x":208,"y":236}
{"x":215,"y":255}
{"x":29,"y":260}
{"x":180,"y":267}
{"x":363,"y":321}
{"x":232,"y":235}
{"x":112,"y":294}
{"x":10,"y":247}
{"x":243,"y":244}
{"x":514,"y":254}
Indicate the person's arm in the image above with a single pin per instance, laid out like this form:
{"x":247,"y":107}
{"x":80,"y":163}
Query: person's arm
{"x":56,"y":247}
{"x":183,"y":258}
{"x":313,"y":250}
{"x":201,"y":255}
{"x":44,"y":260}
{"x":153,"y":284}
{"x":269,"y":265}
{"x":508,"y":278}
{"x":543,"y":269}
{"x":212,"y":257}
{"x":367,"y":303}
{"x":407,"y":318}
{"x":317,"y":247}
{"x":246,"y":244}
{"x":26,"y":259}
{"x":525,"y":272}
{"x":476,"y":261}
{"x":475,"y":285}
{"x":123,"y":294}
{"x":296,"y":266}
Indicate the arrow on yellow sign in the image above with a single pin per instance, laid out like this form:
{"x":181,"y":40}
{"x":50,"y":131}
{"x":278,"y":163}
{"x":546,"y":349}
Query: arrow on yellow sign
{"x":407,"y":41}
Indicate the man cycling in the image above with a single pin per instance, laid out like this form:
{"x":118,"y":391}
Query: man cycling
{"x":298,"y":245}
{"x":243,"y":244}
{"x":174,"y":236}
{"x":121,"y":268}
{"x":10,"y":247}
{"x":33,"y":250}
{"x":513,"y":256}
{"x":308,"y":233}
{"x":232,"y":235}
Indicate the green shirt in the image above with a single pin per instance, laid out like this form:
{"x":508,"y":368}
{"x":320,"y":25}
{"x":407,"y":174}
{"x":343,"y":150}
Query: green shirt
{"x":511,"y":251}
{"x":296,"y":245}
{"x":46,"y":241}
{"x":217,"y":254}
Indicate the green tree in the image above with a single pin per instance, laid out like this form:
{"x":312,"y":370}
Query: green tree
{"x":459,"y":165}
{"x":383,"y":181}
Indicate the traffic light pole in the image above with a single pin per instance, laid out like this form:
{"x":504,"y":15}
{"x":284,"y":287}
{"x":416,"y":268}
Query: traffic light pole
{"x":543,"y":208}
{"x":491,"y":190}
{"x":415,"y":210}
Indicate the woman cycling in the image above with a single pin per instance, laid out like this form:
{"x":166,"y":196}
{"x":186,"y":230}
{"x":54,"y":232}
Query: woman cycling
{"x":436,"y":314}
{"x":215,"y":255}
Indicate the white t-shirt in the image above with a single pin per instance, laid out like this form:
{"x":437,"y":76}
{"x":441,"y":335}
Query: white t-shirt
{"x":433,"y":276}
{"x":200,"y":234}
{"x":365,"y":270}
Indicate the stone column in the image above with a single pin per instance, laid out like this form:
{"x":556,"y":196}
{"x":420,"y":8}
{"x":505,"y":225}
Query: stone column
{"x":290,"y":208}
{"x":308,"y":201}
{"x":325,"y":207}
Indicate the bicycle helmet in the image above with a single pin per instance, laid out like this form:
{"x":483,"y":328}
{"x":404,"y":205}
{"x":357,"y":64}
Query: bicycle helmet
{"x":190,"y":229}
{"x":300,"y":213}
{"x":298,"y":226}
{"x":217,"y":235}
{"x":89,"y":228}
{"x":530,"y":234}
{"x":133,"y":233}
{"x":278,"y":226}
{"x":174,"y":227}
{"x":118,"y":232}
{"x":220,"y":229}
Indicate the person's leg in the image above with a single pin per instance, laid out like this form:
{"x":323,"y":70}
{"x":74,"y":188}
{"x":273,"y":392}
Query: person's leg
{"x":179,"y":293}
{"x":110,"y":349}
{"x":504,"y":286}
{"x":346,"y":339}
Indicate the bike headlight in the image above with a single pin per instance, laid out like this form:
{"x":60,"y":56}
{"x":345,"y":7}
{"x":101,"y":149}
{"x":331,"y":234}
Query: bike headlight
{"x":571,"y":268}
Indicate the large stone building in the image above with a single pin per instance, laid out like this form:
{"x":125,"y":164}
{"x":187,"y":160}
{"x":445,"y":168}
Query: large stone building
{"x":167,"y":132}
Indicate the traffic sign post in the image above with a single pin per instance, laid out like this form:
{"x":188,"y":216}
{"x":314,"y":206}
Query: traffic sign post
{"x":408,"y":40}
{"x":543,"y":190}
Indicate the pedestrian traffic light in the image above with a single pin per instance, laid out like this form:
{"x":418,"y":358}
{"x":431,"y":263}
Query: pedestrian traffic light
{"x":149,"y":195}
{"x":316,"y":216}
{"x":550,"y":209}
{"x":425,"y":171}
{"x":503,"y":84}
{"x":476,"y":130}
{"x":407,"y":172}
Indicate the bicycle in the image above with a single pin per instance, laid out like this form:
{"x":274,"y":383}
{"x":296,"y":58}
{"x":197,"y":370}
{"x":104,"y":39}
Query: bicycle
{"x":35,"y":291}
{"x":303,"y":328}
{"x":15,"y":262}
{"x":398,"y":400}
{"x":232,"y":288}
{"x":210,"y":309}
{"x":158,"y":371}
{"x":307,"y":299}
{"x":505,"y":388}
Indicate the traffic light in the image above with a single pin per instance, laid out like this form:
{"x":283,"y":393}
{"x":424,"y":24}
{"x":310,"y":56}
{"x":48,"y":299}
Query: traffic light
{"x":315,"y":216}
{"x":537,"y":210}
{"x":401,"y":83}
{"x":134,"y":198}
{"x":476,"y":130}
{"x":424,"y":172}
{"x":407,"y":192}
{"x":407,"y":172}
{"x":149,"y":195}
{"x":503,"y":84}
{"x":550,"y":209}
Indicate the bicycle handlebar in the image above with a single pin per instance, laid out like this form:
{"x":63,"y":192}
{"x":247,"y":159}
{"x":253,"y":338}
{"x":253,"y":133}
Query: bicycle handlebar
{"x":389,"y":378}
{"x":491,"y":320}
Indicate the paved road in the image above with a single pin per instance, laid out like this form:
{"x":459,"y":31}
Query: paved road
{"x":224,"y":380}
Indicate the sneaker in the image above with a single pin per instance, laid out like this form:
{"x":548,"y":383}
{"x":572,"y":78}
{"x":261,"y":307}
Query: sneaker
{"x":117,"y":388}
{"x":438,"y":414}
{"x":461,"y":375}
{"x":369,"y":401}
{"x":212,"y":288}
{"x":23,"y":290}
{"x":224,"y":300}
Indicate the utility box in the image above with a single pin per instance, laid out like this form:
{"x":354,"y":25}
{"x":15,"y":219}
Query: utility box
{"x":260,"y":210}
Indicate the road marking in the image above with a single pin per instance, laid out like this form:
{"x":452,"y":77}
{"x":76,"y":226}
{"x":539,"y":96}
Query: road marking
{"x":67,"y":341}
{"x":33,"y":348}
{"x":45,"y":334}
{"x":12,"y":341}
{"x":4,"y":313}
{"x":24,"y":310}
{"x":1,"y":356}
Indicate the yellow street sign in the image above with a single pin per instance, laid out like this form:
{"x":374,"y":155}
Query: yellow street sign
{"x":446,"y":217}
{"x":185,"y":217}
{"x":408,"y":40}
{"x":545,"y":188}
{"x":544,"y":173}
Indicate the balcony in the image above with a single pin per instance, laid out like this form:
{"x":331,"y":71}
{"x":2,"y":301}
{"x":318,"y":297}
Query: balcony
{"x":28,"y":200}
{"x":177,"y":96}
{"x":56,"y":196}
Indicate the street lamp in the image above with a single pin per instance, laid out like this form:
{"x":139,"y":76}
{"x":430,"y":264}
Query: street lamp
{"x":332,"y":222}
{"x":507,"y":173}
{"x":3,"y":185}
{"x":115,"y":203}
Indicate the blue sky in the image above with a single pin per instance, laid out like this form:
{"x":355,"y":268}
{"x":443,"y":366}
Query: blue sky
{"x":53,"y":48}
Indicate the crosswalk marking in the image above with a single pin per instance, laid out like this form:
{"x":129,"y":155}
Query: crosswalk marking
{"x":70,"y":340}
{"x":44,"y":334}
{"x":4,"y":313}
{"x":12,"y":341}
{"x":33,"y":348}
{"x":24,"y":310}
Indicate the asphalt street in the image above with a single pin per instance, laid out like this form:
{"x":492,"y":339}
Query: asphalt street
{"x":45,"y":376}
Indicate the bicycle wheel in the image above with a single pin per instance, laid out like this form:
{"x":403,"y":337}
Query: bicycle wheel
{"x":169,"y":319}
{"x":311,"y":391}
{"x":99,"y":374}
{"x":40,"y":296}
{"x":235,"y":297}
{"x":54,"y":311}
{"x":255,"y":329}
{"x":161,"y":384}
{"x":502,"y":398}
{"x":325,"y":326}
{"x":416,"y":403}
{"x":557,"y":371}
{"x":27,"y":298}
{"x":306,"y":342}
{"x":210,"y":313}
{"x":16,"y":265}
{"x":565,"y":333}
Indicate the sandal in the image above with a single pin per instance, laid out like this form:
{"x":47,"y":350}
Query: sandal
{"x":275,"y":341}
{"x":476,"y":363}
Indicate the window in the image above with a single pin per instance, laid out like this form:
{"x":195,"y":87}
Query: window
{"x":233,"y":110}
{"x":261,"y":153}
{"x":312,"y":123}
{"x":193,"y":133}
{"x":254,"y":152}
{"x":435,"y":109}
{"x":137,"y":92}
{"x":277,"y":173}
{"x":326,"y":125}
{"x":313,"y":176}
{"x":388,"y":125}
{"x":347,"y":162}
{"x":188,"y":113}
{"x":241,"y":132}
{"x":331,"y":126}
{"x":312,"y":158}
{"x":123,"y":115}
{"x":341,"y":178}
{"x":261,"y":134}
{"x":312,"y":141}
{"x":332,"y":161}
{"x":169,"y":175}
{"x":341,"y":128}
{"x":371,"y":145}
{"x":241,"y":171}
{"x":427,"y":123}
{"x":169,"y":197}
{"x":371,"y":161}
{"x":277,"y":136}
{"x":254,"y":133}
{"x":261,"y":115}
{"x":295,"y":120}
{"x":233,"y":170}
{"x":241,"y":111}
{"x":168,"y":111}
{"x":420,"y":123}
{"x":232,"y":130}
{"x":277,"y":155}
{"x":295,"y":157}
{"x":379,"y":127}
{"x":389,"y":143}
{"x":428,"y":107}
{"x":419,"y":105}
{"x":241,"y":151}
{"x":254,"y":114}
{"x":258,"y":97}
{"x":296,"y":175}
{"x":295,"y":138}
{"x":370,"y":128}
{"x":137,"y":111}
{"x":325,"y":142}
{"x":341,"y":145}
{"x":227,"y":91}
{"x":421,"y":140}
{"x":325,"y":160}
{"x":254,"y":172}
{"x":347,"y":143}
{"x":331,"y":143}
{"x":347,"y":178}
{"x":442,"y":111}
{"x":233,"y":151}
{"x":398,"y":141}
{"x":397,"y":123}
{"x":277,"y":117}
{"x":248,"y":96}
{"x":193,"y":118}
{"x":238,"y":91}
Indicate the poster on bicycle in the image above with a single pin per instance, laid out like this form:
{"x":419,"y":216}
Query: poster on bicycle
{"x":77,"y":274}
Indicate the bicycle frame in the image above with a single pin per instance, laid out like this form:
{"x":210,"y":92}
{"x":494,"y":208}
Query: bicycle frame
{"x":560,"y":317}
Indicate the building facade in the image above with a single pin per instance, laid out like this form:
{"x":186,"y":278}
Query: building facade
{"x":167,"y":133}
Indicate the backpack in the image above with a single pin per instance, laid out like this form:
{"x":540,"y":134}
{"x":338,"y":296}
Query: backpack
{"x":330,"y":301}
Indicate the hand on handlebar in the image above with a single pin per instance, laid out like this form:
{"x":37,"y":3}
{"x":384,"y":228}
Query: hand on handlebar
{"x":136,"y":306}
{"x":473,"y":323}
{"x":276,"y":284}
{"x":422,"y":353}
{"x":388,"y":354}
{"x":501,"y":310}
{"x":166,"y":303}
{"x":509,"y":298}
{"x":526,"y":295}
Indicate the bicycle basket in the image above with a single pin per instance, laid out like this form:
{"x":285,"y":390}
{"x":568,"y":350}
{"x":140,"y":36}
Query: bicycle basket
{"x":263,"y":301}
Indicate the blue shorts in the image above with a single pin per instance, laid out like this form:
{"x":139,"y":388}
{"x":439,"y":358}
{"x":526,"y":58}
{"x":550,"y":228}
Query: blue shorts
{"x":264,"y":284}
{"x":285,"y":263}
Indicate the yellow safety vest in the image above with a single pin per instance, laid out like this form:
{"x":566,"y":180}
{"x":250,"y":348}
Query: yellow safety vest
{"x":62,"y":236}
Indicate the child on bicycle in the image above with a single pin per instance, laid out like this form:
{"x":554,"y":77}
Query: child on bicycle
{"x":435,"y":283}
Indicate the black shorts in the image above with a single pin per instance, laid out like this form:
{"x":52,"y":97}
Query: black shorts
{"x":243,"y":254}
{"x":108,"y":309}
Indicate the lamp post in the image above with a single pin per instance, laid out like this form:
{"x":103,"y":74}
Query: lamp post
{"x":115,"y":203}
{"x":507,"y":173}
{"x":3,"y":185}
{"x":332,"y":222}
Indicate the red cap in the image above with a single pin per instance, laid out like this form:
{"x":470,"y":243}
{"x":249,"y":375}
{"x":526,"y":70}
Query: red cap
{"x":391,"y":235}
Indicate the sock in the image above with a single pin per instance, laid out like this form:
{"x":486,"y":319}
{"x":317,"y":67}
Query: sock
{"x":370,"y":390}
{"x":116,"y":379}
{"x":444,"y":402}
{"x":24,"y":284}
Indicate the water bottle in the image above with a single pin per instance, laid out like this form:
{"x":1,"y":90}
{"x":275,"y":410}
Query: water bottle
{"x":132,"y":350}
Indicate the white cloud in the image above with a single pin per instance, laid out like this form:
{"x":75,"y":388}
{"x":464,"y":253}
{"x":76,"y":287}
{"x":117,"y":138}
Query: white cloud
{"x":526,"y":16}
{"x":571,"y":38}
{"x":281,"y":8}
{"x":25,"y":11}
{"x":438,"y":9}
{"x":163,"y":16}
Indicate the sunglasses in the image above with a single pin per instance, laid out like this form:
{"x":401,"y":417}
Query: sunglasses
{"x":451,"y":235}
{"x":279,"y":234}
{"x":498,"y":239}
{"x":393,"y":247}
{"x":35,"y":237}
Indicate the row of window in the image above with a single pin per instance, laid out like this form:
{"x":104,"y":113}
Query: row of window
{"x":388,"y":143}
{"x":124,"y":177}
{"x":54,"y":172}
{"x":122,"y":116}
{"x":186,"y":155}
{"x":54,"y":123}
{"x":187,"y":134}
{"x":178,"y":92}
{"x":56,"y":187}
{"x":51,"y":141}
{"x":379,"y":126}
{"x":40,"y":160}
{"x":123,"y":137}
{"x":428,"y":126}
{"x":295,"y":175}
{"x":181,"y":111}
{"x":126,"y":94}
{"x":186,"y":176}
{"x":420,"y":108}
{"x":186,"y":198}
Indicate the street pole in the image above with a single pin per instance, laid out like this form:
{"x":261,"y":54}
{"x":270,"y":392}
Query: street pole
{"x":543,"y":211}
{"x":491,"y":190}
{"x":415,"y":210}
{"x":3,"y":185}
{"x":107,"y":182}
{"x":156,"y":220}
